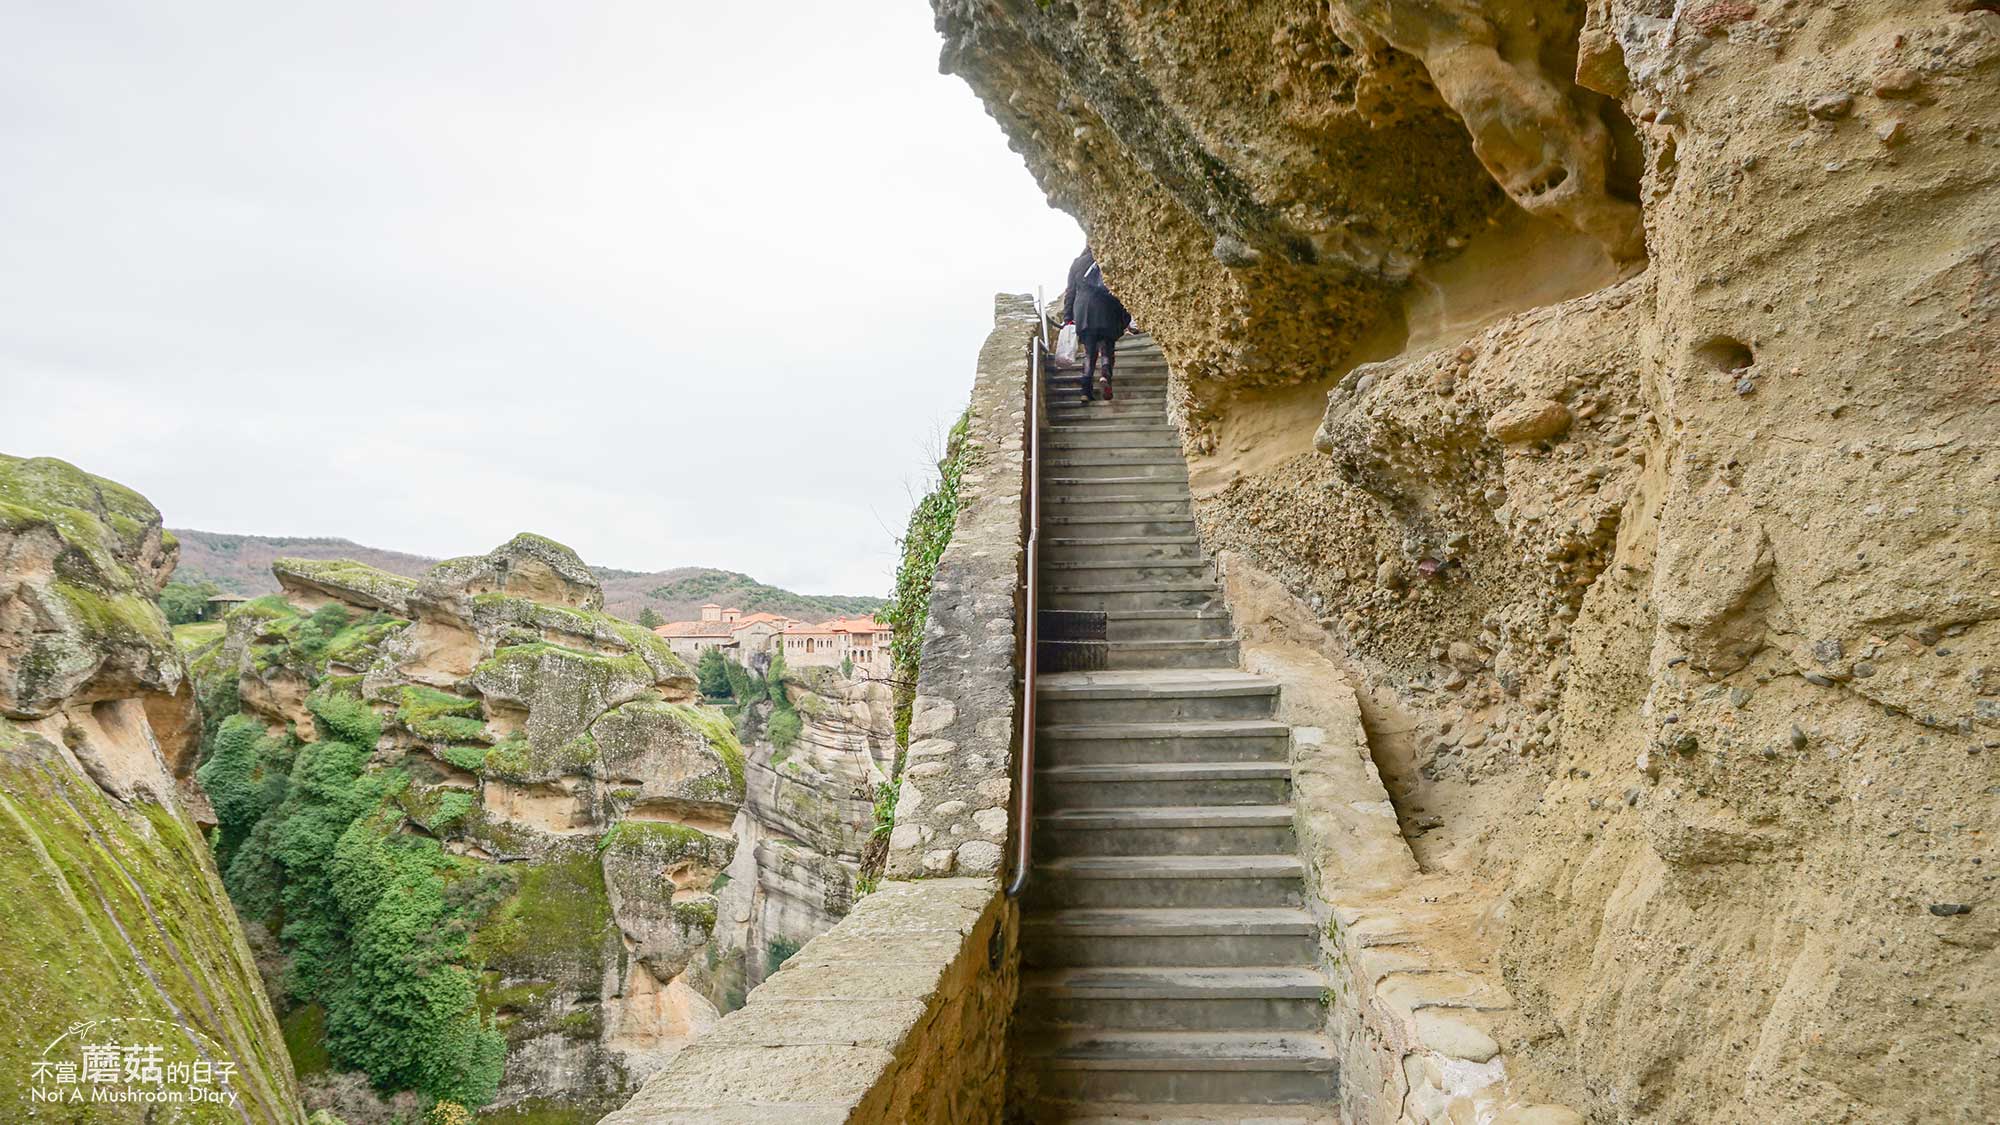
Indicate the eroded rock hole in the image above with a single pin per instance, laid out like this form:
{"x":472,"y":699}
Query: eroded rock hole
{"x":1550,"y":182}
{"x":1726,"y":353}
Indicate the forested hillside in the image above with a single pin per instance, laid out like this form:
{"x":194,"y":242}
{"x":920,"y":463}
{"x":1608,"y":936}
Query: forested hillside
{"x":241,"y":564}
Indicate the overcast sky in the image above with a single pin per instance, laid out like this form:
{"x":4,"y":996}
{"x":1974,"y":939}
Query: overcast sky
{"x":675,"y":283}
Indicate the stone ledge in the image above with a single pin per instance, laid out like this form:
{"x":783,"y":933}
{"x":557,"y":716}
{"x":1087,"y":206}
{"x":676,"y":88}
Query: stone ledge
{"x":896,"y":1014}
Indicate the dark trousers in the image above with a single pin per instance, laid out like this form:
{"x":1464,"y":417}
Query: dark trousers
{"x":1097,"y":348}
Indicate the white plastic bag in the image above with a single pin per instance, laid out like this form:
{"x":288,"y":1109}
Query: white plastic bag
{"x":1066,"y":344}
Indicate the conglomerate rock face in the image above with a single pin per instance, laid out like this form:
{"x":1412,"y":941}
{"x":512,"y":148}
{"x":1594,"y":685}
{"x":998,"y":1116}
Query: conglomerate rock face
{"x":113,"y":926}
{"x":1614,"y":384}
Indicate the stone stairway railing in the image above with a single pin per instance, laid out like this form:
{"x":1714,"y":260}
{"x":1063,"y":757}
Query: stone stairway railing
{"x":900,"y":1012}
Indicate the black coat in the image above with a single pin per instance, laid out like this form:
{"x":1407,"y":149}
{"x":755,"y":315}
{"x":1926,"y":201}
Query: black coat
{"x":1090,"y":304}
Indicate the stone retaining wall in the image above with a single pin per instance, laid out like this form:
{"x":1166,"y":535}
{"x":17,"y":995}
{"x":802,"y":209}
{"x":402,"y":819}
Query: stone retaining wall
{"x":900,"y":1012}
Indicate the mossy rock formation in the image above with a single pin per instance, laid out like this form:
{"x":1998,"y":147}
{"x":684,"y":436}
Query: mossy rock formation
{"x":544,"y":763}
{"x":111,"y":913}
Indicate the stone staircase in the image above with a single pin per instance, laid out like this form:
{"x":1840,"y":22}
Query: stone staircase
{"x":1169,"y":968}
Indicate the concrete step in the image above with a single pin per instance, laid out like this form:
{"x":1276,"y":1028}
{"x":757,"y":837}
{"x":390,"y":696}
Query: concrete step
{"x":1149,"y":595}
{"x":1203,"y":652}
{"x":1102,"y":525}
{"x":1153,"y":488}
{"x":1240,"y":1068}
{"x":1064,"y":404}
{"x":1166,"y":624}
{"x":1109,"y":453}
{"x":1084,"y":467}
{"x":1153,"y":696}
{"x":1065,"y":409}
{"x":1214,"y":829}
{"x":1239,"y":740}
{"x":1150,"y":374}
{"x":1117,"y":414}
{"x":1152,"y":784}
{"x":1126,"y":386}
{"x":1057,"y":443}
{"x":1122,"y":572}
{"x":1114,"y":505}
{"x":1166,"y":881}
{"x":1122,"y":548}
{"x":1158,"y":923}
{"x":1053,"y":1111}
{"x":1172,"y":998}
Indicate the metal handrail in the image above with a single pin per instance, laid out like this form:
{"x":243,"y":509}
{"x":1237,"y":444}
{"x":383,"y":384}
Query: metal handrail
{"x":1024,"y":790}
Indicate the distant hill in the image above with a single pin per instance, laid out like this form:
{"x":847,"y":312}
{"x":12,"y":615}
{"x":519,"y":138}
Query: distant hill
{"x":241,"y":564}
{"x":688,"y":589}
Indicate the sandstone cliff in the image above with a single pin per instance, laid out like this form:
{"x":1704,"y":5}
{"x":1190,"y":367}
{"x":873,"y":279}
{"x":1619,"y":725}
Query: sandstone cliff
{"x":113,"y":924}
{"x":1609,"y":388}
{"x":538,"y":773}
{"x":803,"y":836}
{"x":628,"y":868}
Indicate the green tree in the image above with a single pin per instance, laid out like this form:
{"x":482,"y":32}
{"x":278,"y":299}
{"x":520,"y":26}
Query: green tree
{"x":743,"y":683}
{"x":774,"y":682}
{"x":783,"y":729}
{"x":650,"y":618}
{"x":318,"y":632}
{"x":183,"y":602}
{"x":375,"y":920}
{"x":711,"y":673}
{"x":240,"y":785}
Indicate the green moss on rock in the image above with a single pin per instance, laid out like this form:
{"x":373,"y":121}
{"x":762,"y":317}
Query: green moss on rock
{"x":116,"y":912}
{"x":555,"y":927}
{"x":666,"y":842}
{"x":441,"y":716}
{"x":352,"y":582}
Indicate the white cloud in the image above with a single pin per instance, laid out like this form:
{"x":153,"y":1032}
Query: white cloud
{"x":678,"y":284}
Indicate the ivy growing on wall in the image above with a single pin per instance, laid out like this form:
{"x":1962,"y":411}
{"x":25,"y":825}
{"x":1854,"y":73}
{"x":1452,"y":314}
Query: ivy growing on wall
{"x":924,"y":541}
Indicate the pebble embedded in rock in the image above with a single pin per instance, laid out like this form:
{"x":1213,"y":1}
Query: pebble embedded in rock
{"x":1529,"y":420}
{"x":1948,"y":909}
{"x":1235,"y":253}
{"x":1830,"y":107}
{"x":1389,"y":576}
{"x":1897,"y":82}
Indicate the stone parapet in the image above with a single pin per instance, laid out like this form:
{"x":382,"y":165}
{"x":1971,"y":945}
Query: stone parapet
{"x":897,"y":1014}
